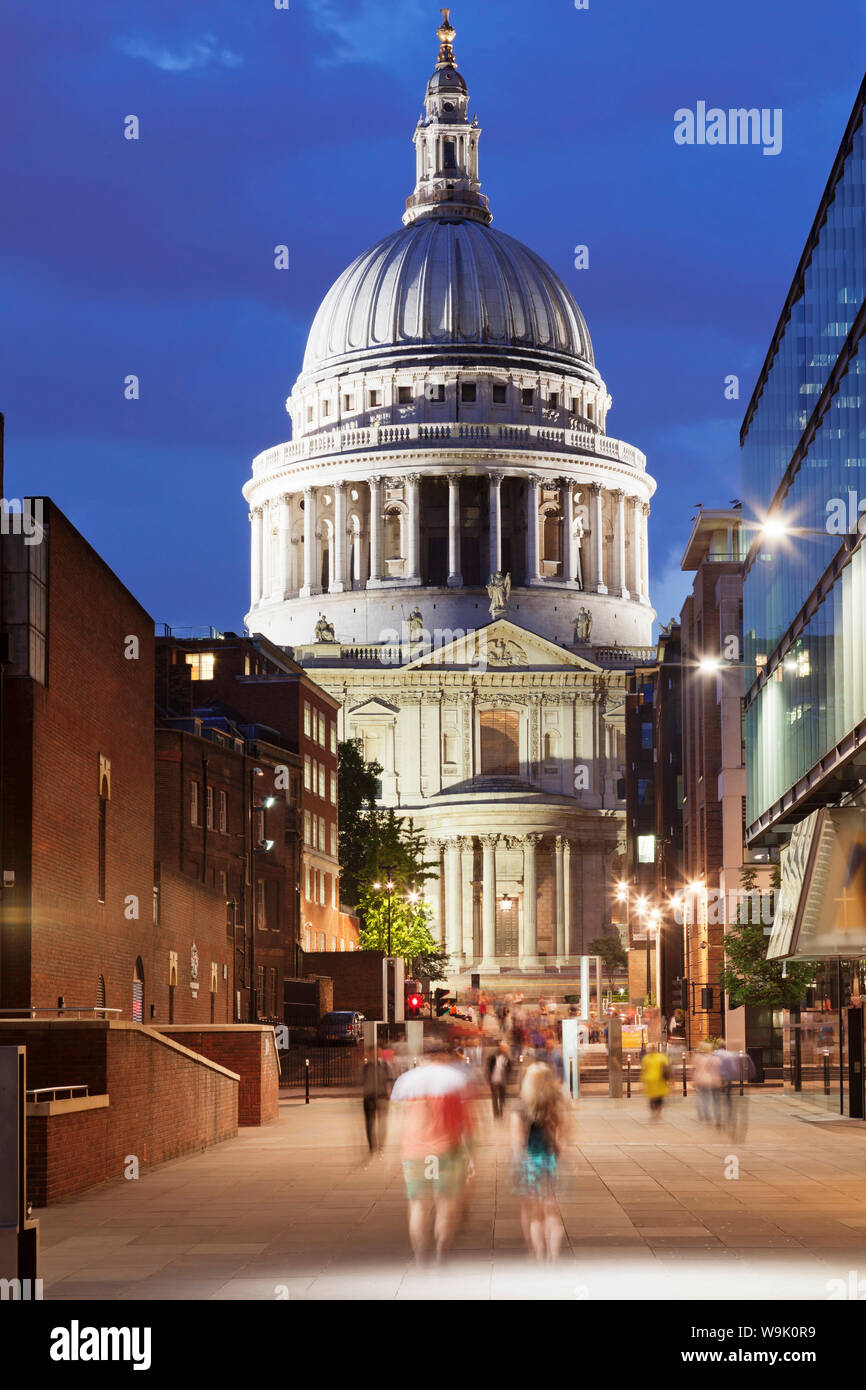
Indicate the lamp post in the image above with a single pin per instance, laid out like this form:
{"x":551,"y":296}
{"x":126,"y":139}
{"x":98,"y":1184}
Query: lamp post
{"x":263,"y":847}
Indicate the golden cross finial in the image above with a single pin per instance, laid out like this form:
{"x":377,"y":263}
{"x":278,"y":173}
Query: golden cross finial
{"x":445,"y":34}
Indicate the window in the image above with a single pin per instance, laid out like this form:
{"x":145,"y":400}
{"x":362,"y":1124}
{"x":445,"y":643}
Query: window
{"x":435,"y":392}
{"x":500,"y":735}
{"x":309,"y":414}
{"x":342,"y":944}
{"x":202,"y":665}
{"x":575,"y":405}
{"x":322,"y":780}
{"x":306,"y":938}
{"x":449,"y":154}
{"x":449,"y":747}
{"x":307,"y":772}
{"x":553,"y":400}
{"x":468,"y":392}
{"x":306,"y":719}
{"x":333,"y":943}
{"x":315,"y":832}
{"x":334,"y":738}
{"x":223,"y":813}
{"x":208,"y":801}
{"x":322,"y":730}
{"x":309,"y":885}
{"x":193,"y":802}
{"x":333,"y":788}
{"x":334,"y":890}
{"x":646,"y":733}
{"x":333,"y":840}
{"x":527,"y":395}
{"x":306,"y":827}
{"x":375,"y":397}
{"x":326,"y":409}
{"x":348,"y":402}
{"x":646,"y":849}
{"x":551,"y":746}
{"x":321,"y":941}
{"x":500,"y":395}
{"x":321,"y":890}
{"x":590,"y":411}
{"x":321,"y":832}
{"x":404,"y":395}
{"x":261,"y":906}
{"x":223,"y":880}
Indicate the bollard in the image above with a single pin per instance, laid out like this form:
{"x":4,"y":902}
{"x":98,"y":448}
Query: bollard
{"x":306,"y":1080}
{"x":742,"y":1069}
{"x":826,"y":1073}
{"x":685,"y":1090}
{"x":628,"y":1078}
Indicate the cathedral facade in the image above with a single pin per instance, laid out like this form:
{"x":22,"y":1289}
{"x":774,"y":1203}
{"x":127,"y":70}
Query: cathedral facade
{"x":457,"y":548}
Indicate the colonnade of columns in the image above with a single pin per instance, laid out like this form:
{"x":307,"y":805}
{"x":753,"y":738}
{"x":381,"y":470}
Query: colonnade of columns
{"x":456,"y":928}
{"x":587,"y":558}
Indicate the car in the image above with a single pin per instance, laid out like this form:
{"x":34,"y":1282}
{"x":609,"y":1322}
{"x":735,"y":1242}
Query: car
{"x":340,"y":1026}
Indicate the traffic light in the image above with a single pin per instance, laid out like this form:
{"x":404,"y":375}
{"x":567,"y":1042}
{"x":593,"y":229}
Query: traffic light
{"x":679,"y":992}
{"x":707,"y":997}
{"x":414,"y":1000}
{"x":442,"y":1001}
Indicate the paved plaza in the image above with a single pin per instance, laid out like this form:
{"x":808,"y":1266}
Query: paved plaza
{"x":297,"y":1210}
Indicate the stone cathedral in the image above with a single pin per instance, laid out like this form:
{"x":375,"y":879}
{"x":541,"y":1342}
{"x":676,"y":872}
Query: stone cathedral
{"x":456,"y":546}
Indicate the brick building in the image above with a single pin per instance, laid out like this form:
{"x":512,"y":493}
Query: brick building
{"x":80,"y":920}
{"x":268,"y":840}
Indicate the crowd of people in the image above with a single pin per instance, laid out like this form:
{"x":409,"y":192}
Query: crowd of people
{"x":492,"y":1044}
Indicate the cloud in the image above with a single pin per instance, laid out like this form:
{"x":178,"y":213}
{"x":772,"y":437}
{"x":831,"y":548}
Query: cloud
{"x":366,"y":31}
{"x":194,"y":54}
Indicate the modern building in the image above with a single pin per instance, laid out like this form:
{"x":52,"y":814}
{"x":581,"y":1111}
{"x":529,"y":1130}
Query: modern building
{"x":457,"y":547}
{"x":804,"y":479}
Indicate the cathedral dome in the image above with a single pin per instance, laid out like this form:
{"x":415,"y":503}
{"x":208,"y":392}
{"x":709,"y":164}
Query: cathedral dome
{"x":447,"y":282}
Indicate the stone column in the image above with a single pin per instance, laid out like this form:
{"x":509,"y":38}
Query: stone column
{"x":596,"y":514}
{"x":488,"y":902}
{"x":645,"y":511}
{"x":283,"y":541}
{"x":635,"y":578}
{"x":375,"y":532}
{"x":338,"y":565}
{"x":532,"y":485}
{"x":568,"y":943}
{"x":455,"y":578}
{"x":559,"y":897}
{"x":414,"y":537}
{"x":569,"y":558}
{"x":495,"y":521}
{"x":529,"y":944}
{"x":453,"y":904}
{"x":467,"y":892}
{"x":309,"y":542}
{"x":256,"y":556}
{"x":619,"y":577}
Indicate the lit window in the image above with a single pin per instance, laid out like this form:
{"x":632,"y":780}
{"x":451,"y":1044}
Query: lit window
{"x":209,"y":807}
{"x":306,"y":719}
{"x":307,"y":772}
{"x":646,"y":849}
{"x":306,"y":828}
{"x":309,"y":884}
{"x":193,"y":802}
{"x":322,"y":730}
{"x":223,"y":813}
{"x":333,"y":841}
{"x":322,"y":792}
{"x":202,"y":665}
{"x":333,"y":738}
{"x":333,"y":788}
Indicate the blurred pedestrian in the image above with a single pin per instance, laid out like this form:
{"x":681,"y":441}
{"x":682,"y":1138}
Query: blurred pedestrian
{"x":655,"y":1079}
{"x":536,"y":1136}
{"x":707,"y":1072}
{"x":498,"y":1072}
{"x":374,"y":1089}
{"x":436,"y":1145}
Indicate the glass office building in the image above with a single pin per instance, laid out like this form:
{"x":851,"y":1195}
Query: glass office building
{"x":804,"y":465}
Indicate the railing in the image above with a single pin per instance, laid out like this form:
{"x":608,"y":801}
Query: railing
{"x":43,"y":1093}
{"x":379,"y":436}
{"x":328,"y":1066}
{"x":66,"y":1011}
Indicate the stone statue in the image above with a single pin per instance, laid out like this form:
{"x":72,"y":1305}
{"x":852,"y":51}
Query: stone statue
{"x":578,"y":545}
{"x":502,"y":653}
{"x":324,"y":630}
{"x":582,"y":625}
{"x":499,"y":589}
{"x":416,"y":625}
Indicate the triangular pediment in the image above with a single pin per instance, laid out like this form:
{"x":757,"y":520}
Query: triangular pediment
{"x":373,"y":707}
{"x":503,"y":645}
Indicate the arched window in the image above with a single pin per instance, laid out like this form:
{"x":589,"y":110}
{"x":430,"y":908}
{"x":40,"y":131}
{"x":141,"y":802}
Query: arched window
{"x":551,"y":544}
{"x":327,"y":534}
{"x":551,"y":746}
{"x":500,"y":741}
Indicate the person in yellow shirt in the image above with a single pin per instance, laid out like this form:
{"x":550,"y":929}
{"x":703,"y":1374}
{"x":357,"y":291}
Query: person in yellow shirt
{"x":655,"y":1079}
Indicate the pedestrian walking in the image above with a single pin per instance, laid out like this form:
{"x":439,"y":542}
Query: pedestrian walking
{"x":655,"y":1078}
{"x":536,"y":1135}
{"x":436,"y":1146}
{"x":498,"y":1072}
{"x":707,"y":1072}
{"x":374,"y":1090}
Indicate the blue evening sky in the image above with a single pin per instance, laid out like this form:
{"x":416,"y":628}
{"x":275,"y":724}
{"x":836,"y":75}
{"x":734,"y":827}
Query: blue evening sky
{"x":262,"y":126}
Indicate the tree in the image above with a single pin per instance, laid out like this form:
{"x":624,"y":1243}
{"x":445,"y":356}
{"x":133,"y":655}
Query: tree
{"x":357,"y":781}
{"x":612,"y":953}
{"x":747,"y":975}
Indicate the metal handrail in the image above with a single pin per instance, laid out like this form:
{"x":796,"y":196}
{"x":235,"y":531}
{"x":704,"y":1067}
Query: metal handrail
{"x":41,"y":1090}
{"x":31,"y":1011}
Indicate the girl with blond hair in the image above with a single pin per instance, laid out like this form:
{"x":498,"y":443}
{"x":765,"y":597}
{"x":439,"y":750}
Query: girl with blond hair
{"x":537,"y":1128}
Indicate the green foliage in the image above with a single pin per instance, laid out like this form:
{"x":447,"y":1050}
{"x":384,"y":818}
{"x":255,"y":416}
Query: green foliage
{"x":747,"y":975}
{"x":356,"y":780}
{"x":612,"y":953}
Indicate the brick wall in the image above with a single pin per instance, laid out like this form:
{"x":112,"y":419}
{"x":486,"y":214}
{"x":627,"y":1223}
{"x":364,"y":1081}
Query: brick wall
{"x":245,"y":1048}
{"x":164,"y":1101}
{"x":356,"y":975}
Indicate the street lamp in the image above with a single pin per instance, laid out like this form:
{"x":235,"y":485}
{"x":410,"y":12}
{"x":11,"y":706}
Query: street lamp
{"x":389,"y":887}
{"x":264,"y":846}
